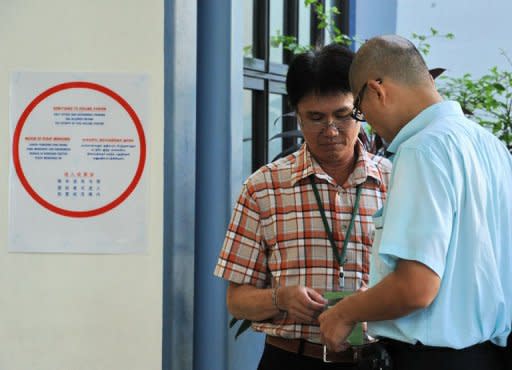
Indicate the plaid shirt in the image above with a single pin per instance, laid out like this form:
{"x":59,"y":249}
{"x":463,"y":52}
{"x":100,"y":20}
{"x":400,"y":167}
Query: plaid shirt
{"x":276,"y":235}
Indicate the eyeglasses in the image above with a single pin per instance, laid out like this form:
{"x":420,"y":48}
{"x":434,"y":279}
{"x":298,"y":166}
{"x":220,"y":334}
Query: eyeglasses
{"x":340,"y":123}
{"x":356,"y":111}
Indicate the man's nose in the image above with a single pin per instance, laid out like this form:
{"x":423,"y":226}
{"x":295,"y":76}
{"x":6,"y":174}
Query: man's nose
{"x":331,"y":130}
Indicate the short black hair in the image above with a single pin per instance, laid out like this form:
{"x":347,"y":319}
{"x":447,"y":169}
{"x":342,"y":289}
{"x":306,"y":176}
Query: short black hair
{"x":320,"y":72}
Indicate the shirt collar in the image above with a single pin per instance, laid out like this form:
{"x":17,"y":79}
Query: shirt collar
{"x":418,"y":123}
{"x":305,"y":165}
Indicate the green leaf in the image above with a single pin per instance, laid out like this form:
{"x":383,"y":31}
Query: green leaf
{"x":319,"y":9}
{"x":246,"y":324}
{"x":247,"y":50}
{"x":232,"y":322}
{"x":499,"y":87}
{"x":335,"y":10}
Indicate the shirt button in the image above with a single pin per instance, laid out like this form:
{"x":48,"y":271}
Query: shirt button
{"x":344,"y":227}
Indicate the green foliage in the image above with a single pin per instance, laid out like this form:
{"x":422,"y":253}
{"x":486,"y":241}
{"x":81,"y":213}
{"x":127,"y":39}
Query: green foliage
{"x":247,"y":50}
{"x":326,"y":18}
{"x":423,"y":44}
{"x":487,"y":100}
{"x":289,"y":43}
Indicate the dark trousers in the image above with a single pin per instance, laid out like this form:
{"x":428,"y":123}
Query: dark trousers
{"x":508,"y":353}
{"x":274,"y":358}
{"x":484,"y":356}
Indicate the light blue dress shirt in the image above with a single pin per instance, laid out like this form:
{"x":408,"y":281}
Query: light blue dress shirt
{"x":449,"y":207}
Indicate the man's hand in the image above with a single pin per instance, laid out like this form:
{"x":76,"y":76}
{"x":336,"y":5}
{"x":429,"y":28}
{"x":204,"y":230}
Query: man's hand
{"x":335,"y":330}
{"x":303,"y":304}
{"x":412,"y":286}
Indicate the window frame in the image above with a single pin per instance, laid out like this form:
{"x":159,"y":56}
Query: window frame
{"x":263,"y":77}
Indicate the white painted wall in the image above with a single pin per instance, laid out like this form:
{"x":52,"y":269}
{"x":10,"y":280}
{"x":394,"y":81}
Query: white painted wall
{"x":83,"y":312}
{"x":373,"y":17}
{"x":481,"y":28}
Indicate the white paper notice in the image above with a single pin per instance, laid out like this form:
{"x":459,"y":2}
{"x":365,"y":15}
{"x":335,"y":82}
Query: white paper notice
{"x":79,"y":163}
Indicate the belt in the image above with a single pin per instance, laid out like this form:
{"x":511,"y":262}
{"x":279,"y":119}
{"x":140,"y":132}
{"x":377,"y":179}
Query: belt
{"x":305,"y":348}
{"x":419,"y":347}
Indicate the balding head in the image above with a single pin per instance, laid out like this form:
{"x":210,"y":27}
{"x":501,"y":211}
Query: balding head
{"x":391,"y":57}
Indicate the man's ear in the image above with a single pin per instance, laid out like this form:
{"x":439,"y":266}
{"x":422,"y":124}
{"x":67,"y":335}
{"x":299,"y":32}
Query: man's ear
{"x":376,"y":87}
{"x":432,"y":82}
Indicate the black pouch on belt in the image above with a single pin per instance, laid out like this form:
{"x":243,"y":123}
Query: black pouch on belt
{"x":374,"y":356}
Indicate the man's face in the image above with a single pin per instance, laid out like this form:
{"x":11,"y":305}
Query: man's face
{"x":329,"y":130}
{"x":366,"y":106}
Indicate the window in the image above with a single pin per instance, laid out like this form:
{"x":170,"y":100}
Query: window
{"x":265,"y":70}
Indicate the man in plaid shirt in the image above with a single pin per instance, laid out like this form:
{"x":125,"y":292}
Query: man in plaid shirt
{"x":277,"y":255}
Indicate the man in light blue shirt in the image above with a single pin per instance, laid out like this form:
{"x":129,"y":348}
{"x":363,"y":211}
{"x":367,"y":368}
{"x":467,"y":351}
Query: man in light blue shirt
{"x":441,"y":269}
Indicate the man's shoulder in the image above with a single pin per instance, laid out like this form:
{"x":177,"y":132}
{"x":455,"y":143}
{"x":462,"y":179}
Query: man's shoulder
{"x":447,"y":140}
{"x":444,"y":131}
{"x":275,"y":174}
{"x":383,"y":167}
{"x":381,"y":162}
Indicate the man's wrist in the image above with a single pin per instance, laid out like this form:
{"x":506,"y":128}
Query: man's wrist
{"x":343,"y":310}
{"x":275,"y":299}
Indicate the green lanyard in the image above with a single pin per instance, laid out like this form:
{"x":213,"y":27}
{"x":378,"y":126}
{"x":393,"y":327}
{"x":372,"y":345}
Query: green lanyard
{"x":341,"y":259}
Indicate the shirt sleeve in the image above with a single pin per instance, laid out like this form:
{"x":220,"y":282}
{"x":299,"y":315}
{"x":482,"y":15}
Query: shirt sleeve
{"x":419,"y":213}
{"x":243,"y":259}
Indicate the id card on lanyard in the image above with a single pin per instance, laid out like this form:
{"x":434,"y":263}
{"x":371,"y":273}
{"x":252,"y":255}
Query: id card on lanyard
{"x":356,"y":337}
{"x":341,"y":259}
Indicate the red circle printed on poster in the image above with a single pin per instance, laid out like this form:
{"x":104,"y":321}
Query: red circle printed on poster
{"x":79,"y":149}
